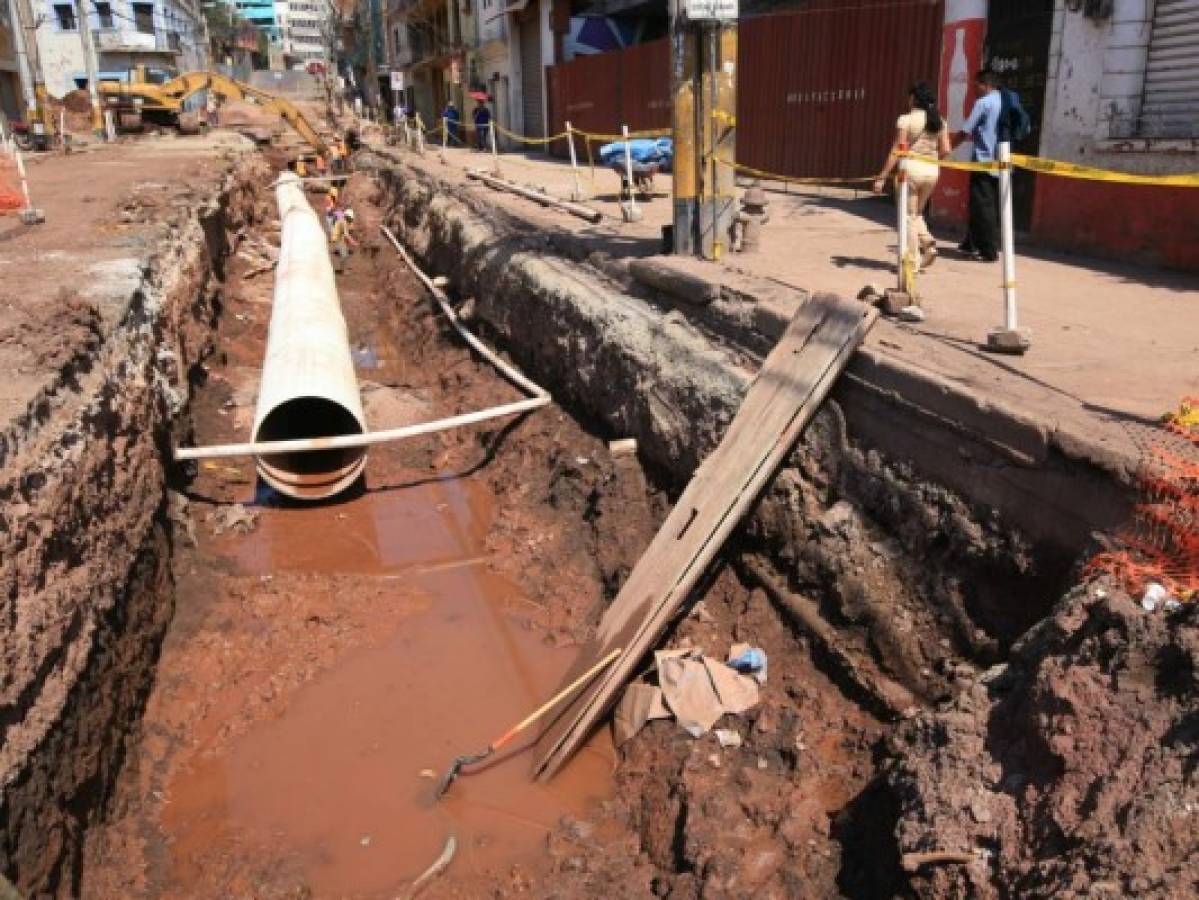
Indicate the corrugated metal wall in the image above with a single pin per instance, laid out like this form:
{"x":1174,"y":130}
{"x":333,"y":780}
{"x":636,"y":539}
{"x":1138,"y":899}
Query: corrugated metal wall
{"x":819,"y":90}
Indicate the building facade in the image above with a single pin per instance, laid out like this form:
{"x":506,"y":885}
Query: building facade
{"x":164,"y":36}
{"x":11,"y":104}
{"x":307,"y":32}
{"x":1122,"y":93}
{"x":1111,"y":85}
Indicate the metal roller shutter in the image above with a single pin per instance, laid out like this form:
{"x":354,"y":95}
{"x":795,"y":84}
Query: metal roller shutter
{"x":1171,"y":105}
{"x":530,"y":71}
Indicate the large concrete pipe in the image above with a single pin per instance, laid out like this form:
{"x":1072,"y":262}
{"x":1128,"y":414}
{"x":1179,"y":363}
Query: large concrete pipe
{"x":309,"y":388}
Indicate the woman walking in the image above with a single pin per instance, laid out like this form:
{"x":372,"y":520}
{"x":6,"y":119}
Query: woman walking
{"x":921,"y":131}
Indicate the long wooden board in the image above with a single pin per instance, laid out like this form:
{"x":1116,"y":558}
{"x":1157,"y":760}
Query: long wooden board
{"x":785,"y":394}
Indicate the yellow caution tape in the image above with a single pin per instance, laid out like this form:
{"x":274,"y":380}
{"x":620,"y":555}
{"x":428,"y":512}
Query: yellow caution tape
{"x":958,"y":164}
{"x":774,"y":176}
{"x":1073,"y":170}
{"x":650,"y":133}
{"x":529,"y":140}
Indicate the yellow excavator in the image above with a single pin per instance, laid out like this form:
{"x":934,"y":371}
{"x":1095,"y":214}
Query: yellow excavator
{"x":162,"y":104}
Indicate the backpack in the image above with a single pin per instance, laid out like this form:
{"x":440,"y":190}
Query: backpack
{"x":1014,"y":122}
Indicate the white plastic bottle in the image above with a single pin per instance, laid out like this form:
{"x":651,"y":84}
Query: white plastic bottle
{"x":959,"y":86}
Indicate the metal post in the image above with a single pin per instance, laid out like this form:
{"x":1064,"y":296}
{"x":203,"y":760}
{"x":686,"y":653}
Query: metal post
{"x":89,"y":60}
{"x":110,"y":126}
{"x":574,"y":163}
{"x":420,"y":135}
{"x":24,"y":69}
{"x":445,"y":131}
{"x":495,"y":154}
{"x":631,"y":213}
{"x":683,"y":49}
{"x":716,"y":130}
{"x":1010,"y":338}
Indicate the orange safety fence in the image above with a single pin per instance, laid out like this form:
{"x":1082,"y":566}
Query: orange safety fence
{"x":1162,"y":543}
{"x":11,"y":196}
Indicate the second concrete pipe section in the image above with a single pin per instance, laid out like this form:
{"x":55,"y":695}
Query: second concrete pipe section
{"x":308,"y":389}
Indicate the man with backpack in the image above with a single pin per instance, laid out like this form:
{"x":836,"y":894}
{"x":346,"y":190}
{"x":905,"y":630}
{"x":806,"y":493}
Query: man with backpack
{"x":982,"y":129}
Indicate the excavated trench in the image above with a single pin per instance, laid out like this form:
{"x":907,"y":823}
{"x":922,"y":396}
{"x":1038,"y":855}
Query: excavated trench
{"x":277,"y":682}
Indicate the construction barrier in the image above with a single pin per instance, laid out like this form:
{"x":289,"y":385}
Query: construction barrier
{"x":1162,"y":544}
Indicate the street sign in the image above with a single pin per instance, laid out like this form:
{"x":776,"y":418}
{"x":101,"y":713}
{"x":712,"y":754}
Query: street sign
{"x":711,"y":10}
{"x":397,"y":81}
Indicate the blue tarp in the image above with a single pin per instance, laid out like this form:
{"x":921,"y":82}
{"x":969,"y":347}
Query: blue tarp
{"x":646,"y":152}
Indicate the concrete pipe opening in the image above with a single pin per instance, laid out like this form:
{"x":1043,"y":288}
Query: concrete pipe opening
{"x":312,"y":475}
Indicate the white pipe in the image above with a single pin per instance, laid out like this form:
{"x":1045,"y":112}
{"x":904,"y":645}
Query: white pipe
{"x":1007,"y":238}
{"x":575,"y":209}
{"x":24,"y":180}
{"x":628,"y":165}
{"x":574,"y":162}
{"x":509,"y":371}
{"x":309,"y":389}
{"x":539,"y":398}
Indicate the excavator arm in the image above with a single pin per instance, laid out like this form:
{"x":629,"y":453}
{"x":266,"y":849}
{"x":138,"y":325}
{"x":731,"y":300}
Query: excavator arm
{"x":170,"y":97}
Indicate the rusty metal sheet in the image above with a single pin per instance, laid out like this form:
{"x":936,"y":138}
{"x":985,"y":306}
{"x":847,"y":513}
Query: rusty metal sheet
{"x":819,"y":88}
{"x":645,"y":86}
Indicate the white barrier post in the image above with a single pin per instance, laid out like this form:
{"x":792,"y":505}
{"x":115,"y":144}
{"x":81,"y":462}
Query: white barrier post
{"x":495,"y":154}
{"x":445,"y":131}
{"x":110,"y":125}
{"x":901,"y":207}
{"x":1011,"y":338}
{"x":420,"y":135}
{"x":24,"y":180}
{"x":574,"y":163}
{"x":631,"y":213}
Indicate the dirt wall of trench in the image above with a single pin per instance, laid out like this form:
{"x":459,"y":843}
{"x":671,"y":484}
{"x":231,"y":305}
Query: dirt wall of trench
{"x":85,"y":538}
{"x":885,"y":489}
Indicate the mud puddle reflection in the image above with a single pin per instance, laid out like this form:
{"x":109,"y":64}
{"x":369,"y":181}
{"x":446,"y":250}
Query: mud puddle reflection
{"x":331,"y":789}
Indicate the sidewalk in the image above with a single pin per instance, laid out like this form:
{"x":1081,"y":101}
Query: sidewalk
{"x":67,"y":281}
{"x":1112,"y":345}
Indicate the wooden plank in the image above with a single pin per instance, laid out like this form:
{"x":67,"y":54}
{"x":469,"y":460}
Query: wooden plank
{"x":795,"y":379}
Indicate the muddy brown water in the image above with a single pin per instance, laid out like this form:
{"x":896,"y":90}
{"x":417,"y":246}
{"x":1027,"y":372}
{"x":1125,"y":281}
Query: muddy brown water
{"x":339,"y":780}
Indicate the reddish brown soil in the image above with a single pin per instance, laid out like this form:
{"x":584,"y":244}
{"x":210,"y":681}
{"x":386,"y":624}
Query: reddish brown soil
{"x":1071,"y":770}
{"x":319,"y":663}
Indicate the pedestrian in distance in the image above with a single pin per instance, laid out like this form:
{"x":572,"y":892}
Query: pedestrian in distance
{"x":922,"y":132}
{"x":482,"y":118}
{"x":452,"y":121}
{"x":982,"y":128}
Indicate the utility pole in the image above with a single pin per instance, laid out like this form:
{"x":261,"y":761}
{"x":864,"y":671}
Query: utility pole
{"x":89,"y":60}
{"x":683,"y":48}
{"x":703,"y":38}
{"x":24,"y":69}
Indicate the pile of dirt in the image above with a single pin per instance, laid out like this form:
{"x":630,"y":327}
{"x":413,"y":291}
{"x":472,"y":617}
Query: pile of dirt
{"x":77,"y":109}
{"x":34,"y":342}
{"x":1072,"y":768}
